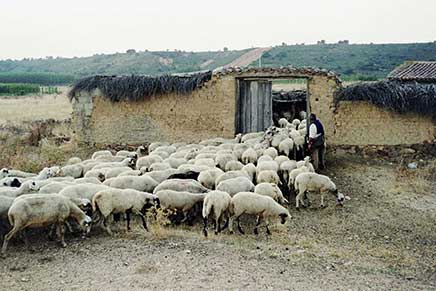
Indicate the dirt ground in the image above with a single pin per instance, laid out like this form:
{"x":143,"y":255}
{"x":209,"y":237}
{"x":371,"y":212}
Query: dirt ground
{"x":384,"y":238}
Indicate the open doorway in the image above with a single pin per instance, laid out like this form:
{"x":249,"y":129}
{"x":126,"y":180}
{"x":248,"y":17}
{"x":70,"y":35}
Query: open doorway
{"x":289,"y":97}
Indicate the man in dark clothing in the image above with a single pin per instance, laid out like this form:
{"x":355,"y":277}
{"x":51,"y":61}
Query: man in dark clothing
{"x":316,"y":142}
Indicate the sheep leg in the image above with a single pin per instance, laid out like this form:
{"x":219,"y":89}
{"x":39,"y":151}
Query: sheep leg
{"x":205,"y":226}
{"x":218,"y":225}
{"x":144,"y":221}
{"x":267,"y":229}
{"x":13,"y":231}
{"x":230,"y":220}
{"x":258,"y":221}
{"x":322,"y":200}
{"x":239,"y":226}
{"x":226,"y":224}
{"x":215,"y":225}
{"x":128,"y":212}
{"x":106,"y":225}
{"x":61,"y":234}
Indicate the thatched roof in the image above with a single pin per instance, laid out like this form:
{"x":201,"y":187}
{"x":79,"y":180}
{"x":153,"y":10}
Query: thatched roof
{"x":289,"y":96}
{"x":138,"y":87}
{"x":397,"y":96}
{"x":415,"y":71}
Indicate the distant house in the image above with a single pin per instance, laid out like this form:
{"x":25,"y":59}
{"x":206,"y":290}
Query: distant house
{"x":419,"y":71}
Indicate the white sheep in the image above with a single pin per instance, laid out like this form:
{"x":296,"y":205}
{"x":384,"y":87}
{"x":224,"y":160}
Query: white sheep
{"x":154,"y":145}
{"x":283,"y":122}
{"x":263,"y":207}
{"x":286,"y":167}
{"x":115,"y":172}
{"x":87,"y":180}
{"x":140,"y":183}
{"x":303,"y":115}
{"x":250,"y":170}
{"x":147,"y":161}
{"x":127,"y":162}
{"x":296,"y":122}
{"x":73,"y":161}
{"x":15,"y":173}
{"x":239,"y":149}
{"x":252,"y":135}
{"x":277,"y":139}
{"x":207,"y":178}
{"x":281,"y":159}
{"x":208,"y":162}
{"x":140,"y":151}
{"x":272,"y":152}
{"x":286,"y":146}
{"x":268,"y":165}
{"x":249,"y":156}
{"x":236,"y":185}
{"x":54,"y":187}
{"x":222,"y":160}
{"x":165,"y":148}
{"x":128,"y":201}
{"x":99,"y":174}
{"x":216,"y":203}
{"x":175,"y":162}
{"x":294,"y":174}
{"x":306,"y":163}
{"x":161,"y":166}
{"x":182,"y":185}
{"x":264,"y":158}
{"x":161,"y":153}
{"x":46,"y":209}
{"x":75,"y":170}
{"x":130,"y":173}
{"x":160,"y":176}
{"x":313,"y":182}
{"x":179,"y":200}
{"x":82,"y":191}
{"x":268,"y":176}
{"x":233,"y":166}
{"x":26,"y":187}
{"x":271,"y":190}
{"x":101,"y":154}
{"x":230,"y":175}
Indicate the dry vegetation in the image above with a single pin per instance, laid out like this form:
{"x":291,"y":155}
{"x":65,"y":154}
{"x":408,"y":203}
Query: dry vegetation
{"x":14,"y":110}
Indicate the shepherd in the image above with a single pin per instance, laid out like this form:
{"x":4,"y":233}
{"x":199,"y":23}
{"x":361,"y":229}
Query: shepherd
{"x":316,"y":142}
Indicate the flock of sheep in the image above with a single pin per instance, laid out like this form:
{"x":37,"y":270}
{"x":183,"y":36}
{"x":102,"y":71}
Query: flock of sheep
{"x":217,"y":178}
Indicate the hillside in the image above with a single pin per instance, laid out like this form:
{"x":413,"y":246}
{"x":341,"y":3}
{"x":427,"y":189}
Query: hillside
{"x":131,"y":62}
{"x":355,"y":61}
{"x":351,"y":61}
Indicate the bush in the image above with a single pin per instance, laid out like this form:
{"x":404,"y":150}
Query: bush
{"x":18,"y":89}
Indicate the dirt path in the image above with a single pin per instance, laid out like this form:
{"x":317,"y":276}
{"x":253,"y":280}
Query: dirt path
{"x":380,"y":240}
{"x":249,"y":57}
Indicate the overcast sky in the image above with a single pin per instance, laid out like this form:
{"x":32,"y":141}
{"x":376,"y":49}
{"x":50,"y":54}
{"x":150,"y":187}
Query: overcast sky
{"x":38,"y":28}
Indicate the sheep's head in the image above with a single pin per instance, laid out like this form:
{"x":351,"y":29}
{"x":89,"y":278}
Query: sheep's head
{"x":33,"y":186}
{"x":340,"y":198}
{"x":150,"y":201}
{"x":238,"y":138}
{"x":85,"y":224}
{"x":284,"y":216}
{"x":15,"y":183}
{"x":4,"y":173}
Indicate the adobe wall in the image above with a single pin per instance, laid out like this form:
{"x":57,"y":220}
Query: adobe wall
{"x":205,"y":113}
{"x":321,"y":91}
{"x":362,"y":123}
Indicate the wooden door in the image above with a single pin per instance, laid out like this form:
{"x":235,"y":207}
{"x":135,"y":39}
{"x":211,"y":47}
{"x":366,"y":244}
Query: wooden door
{"x":254,"y":112}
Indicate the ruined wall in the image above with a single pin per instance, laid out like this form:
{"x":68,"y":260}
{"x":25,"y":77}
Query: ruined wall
{"x":205,"y":113}
{"x":361,"y":123}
